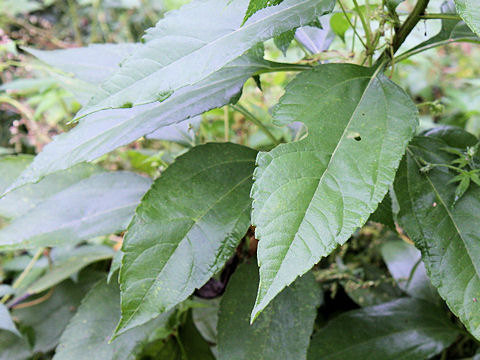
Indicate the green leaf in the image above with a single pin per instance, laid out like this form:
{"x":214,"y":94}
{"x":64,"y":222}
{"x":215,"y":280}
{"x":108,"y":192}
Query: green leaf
{"x":206,"y":318}
{"x":6,"y":322}
{"x":10,"y":168}
{"x":469,"y":10}
{"x":339,"y":24}
{"x":99,"y":205}
{"x":309,"y":196}
{"x":49,"y":318}
{"x":12,"y":347}
{"x":200,"y":31}
{"x":256,"y":5}
{"x":93,"y":64}
{"x":185,"y":229}
{"x":393,"y":4}
{"x":447,"y":235}
{"x":282,"y":330}
{"x":194,"y":345}
{"x":88,"y":332}
{"x":405,"y":265}
{"x":451,"y":31}
{"x":78,"y":259}
{"x":105,"y":131}
{"x":384,"y":214}
{"x":24,"y":199}
{"x":402,"y":329}
{"x":283,"y":41}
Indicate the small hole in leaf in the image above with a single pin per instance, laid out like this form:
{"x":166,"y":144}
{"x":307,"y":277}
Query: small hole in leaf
{"x":354,"y":135}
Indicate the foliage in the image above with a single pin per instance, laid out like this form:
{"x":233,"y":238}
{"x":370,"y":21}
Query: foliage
{"x":293,"y":179}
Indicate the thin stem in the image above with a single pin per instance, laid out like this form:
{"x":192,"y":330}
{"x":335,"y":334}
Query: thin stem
{"x":76,"y":27}
{"x":24,"y":274}
{"x":441,"y":16}
{"x":256,"y":121}
{"x":354,"y":27}
{"x":277,"y":66}
{"x":404,"y":30}
{"x":226,"y":124}
{"x":366,"y":27}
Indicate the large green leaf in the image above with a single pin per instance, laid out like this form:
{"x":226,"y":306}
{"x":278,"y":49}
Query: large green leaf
{"x":282,"y":331}
{"x":452,"y":31}
{"x":201,"y":38}
{"x":27,"y":197}
{"x":469,"y":10}
{"x":101,"y":204}
{"x":447,"y":234}
{"x":93,"y":64}
{"x":100,"y":133}
{"x":186,"y":227}
{"x":88,"y":332}
{"x":309,"y":196}
{"x":404,"y":329}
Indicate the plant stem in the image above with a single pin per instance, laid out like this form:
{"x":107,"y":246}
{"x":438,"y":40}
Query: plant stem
{"x":24,"y":274}
{"x":226,"y":123}
{"x":354,"y":27}
{"x":366,"y":27}
{"x":441,"y":16}
{"x":404,"y":30}
{"x":256,"y":121}
{"x":277,"y":66}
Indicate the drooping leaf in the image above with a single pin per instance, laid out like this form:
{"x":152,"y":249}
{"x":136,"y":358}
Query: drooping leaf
{"x":101,"y":204}
{"x":309,"y":196}
{"x":6,"y":322}
{"x":92,"y":64}
{"x":202,"y":37}
{"x":405,"y":265}
{"x":185,"y":229}
{"x":78,"y":259}
{"x":402,"y":329}
{"x":283,"y":41}
{"x":452,"y":31}
{"x":469,"y":10}
{"x":446,"y":234}
{"x":103,"y":132}
{"x":24,"y":199}
{"x":48,"y":319}
{"x":88,"y":332}
{"x":340,"y":24}
{"x":282,"y":331}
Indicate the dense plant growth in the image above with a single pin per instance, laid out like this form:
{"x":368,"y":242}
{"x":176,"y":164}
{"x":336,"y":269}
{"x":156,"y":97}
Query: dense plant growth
{"x":338,"y":221}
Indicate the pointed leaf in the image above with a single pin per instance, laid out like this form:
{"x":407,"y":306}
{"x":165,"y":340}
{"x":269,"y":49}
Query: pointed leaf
{"x":447,"y":235}
{"x":99,"y":205}
{"x":290,"y":317}
{"x":6,"y":322}
{"x":202,"y":37}
{"x":469,"y":10}
{"x":105,"y":131}
{"x":402,"y":329}
{"x":88,"y":332}
{"x":187,"y":226}
{"x":309,"y":196}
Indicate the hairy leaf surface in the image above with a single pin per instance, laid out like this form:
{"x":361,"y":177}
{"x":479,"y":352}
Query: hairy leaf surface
{"x":196,"y":51}
{"x":185,"y":229}
{"x":404,"y":329}
{"x":469,"y":10}
{"x":446,"y":234}
{"x":99,"y":205}
{"x":309,"y":196}
{"x":283,"y":329}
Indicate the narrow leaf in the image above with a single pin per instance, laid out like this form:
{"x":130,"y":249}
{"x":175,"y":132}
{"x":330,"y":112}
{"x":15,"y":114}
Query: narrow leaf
{"x":309,"y":196}
{"x":206,"y":35}
{"x":402,"y":329}
{"x":185,"y":229}
{"x":282,"y":331}
{"x":446,"y":234}
{"x":99,"y":205}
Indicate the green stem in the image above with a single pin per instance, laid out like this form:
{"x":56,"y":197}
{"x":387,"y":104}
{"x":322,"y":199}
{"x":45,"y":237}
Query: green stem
{"x":354,"y":27}
{"x":441,"y":16}
{"x":366,"y":27}
{"x":277,"y":66}
{"x":72,"y":8}
{"x":24,"y":274}
{"x":404,"y":30}
{"x":256,"y":121}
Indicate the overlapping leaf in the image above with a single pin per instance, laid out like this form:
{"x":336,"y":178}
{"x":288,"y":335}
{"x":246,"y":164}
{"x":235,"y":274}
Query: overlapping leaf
{"x":404,"y":329}
{"x":282,"y":330}
{"x":469,"y":10}
{"x":101,"y":204}
{"x":310,"y":196}
{"x":186,"y":227}
{"x":446,"y":234}
{"x":196,"y":51}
